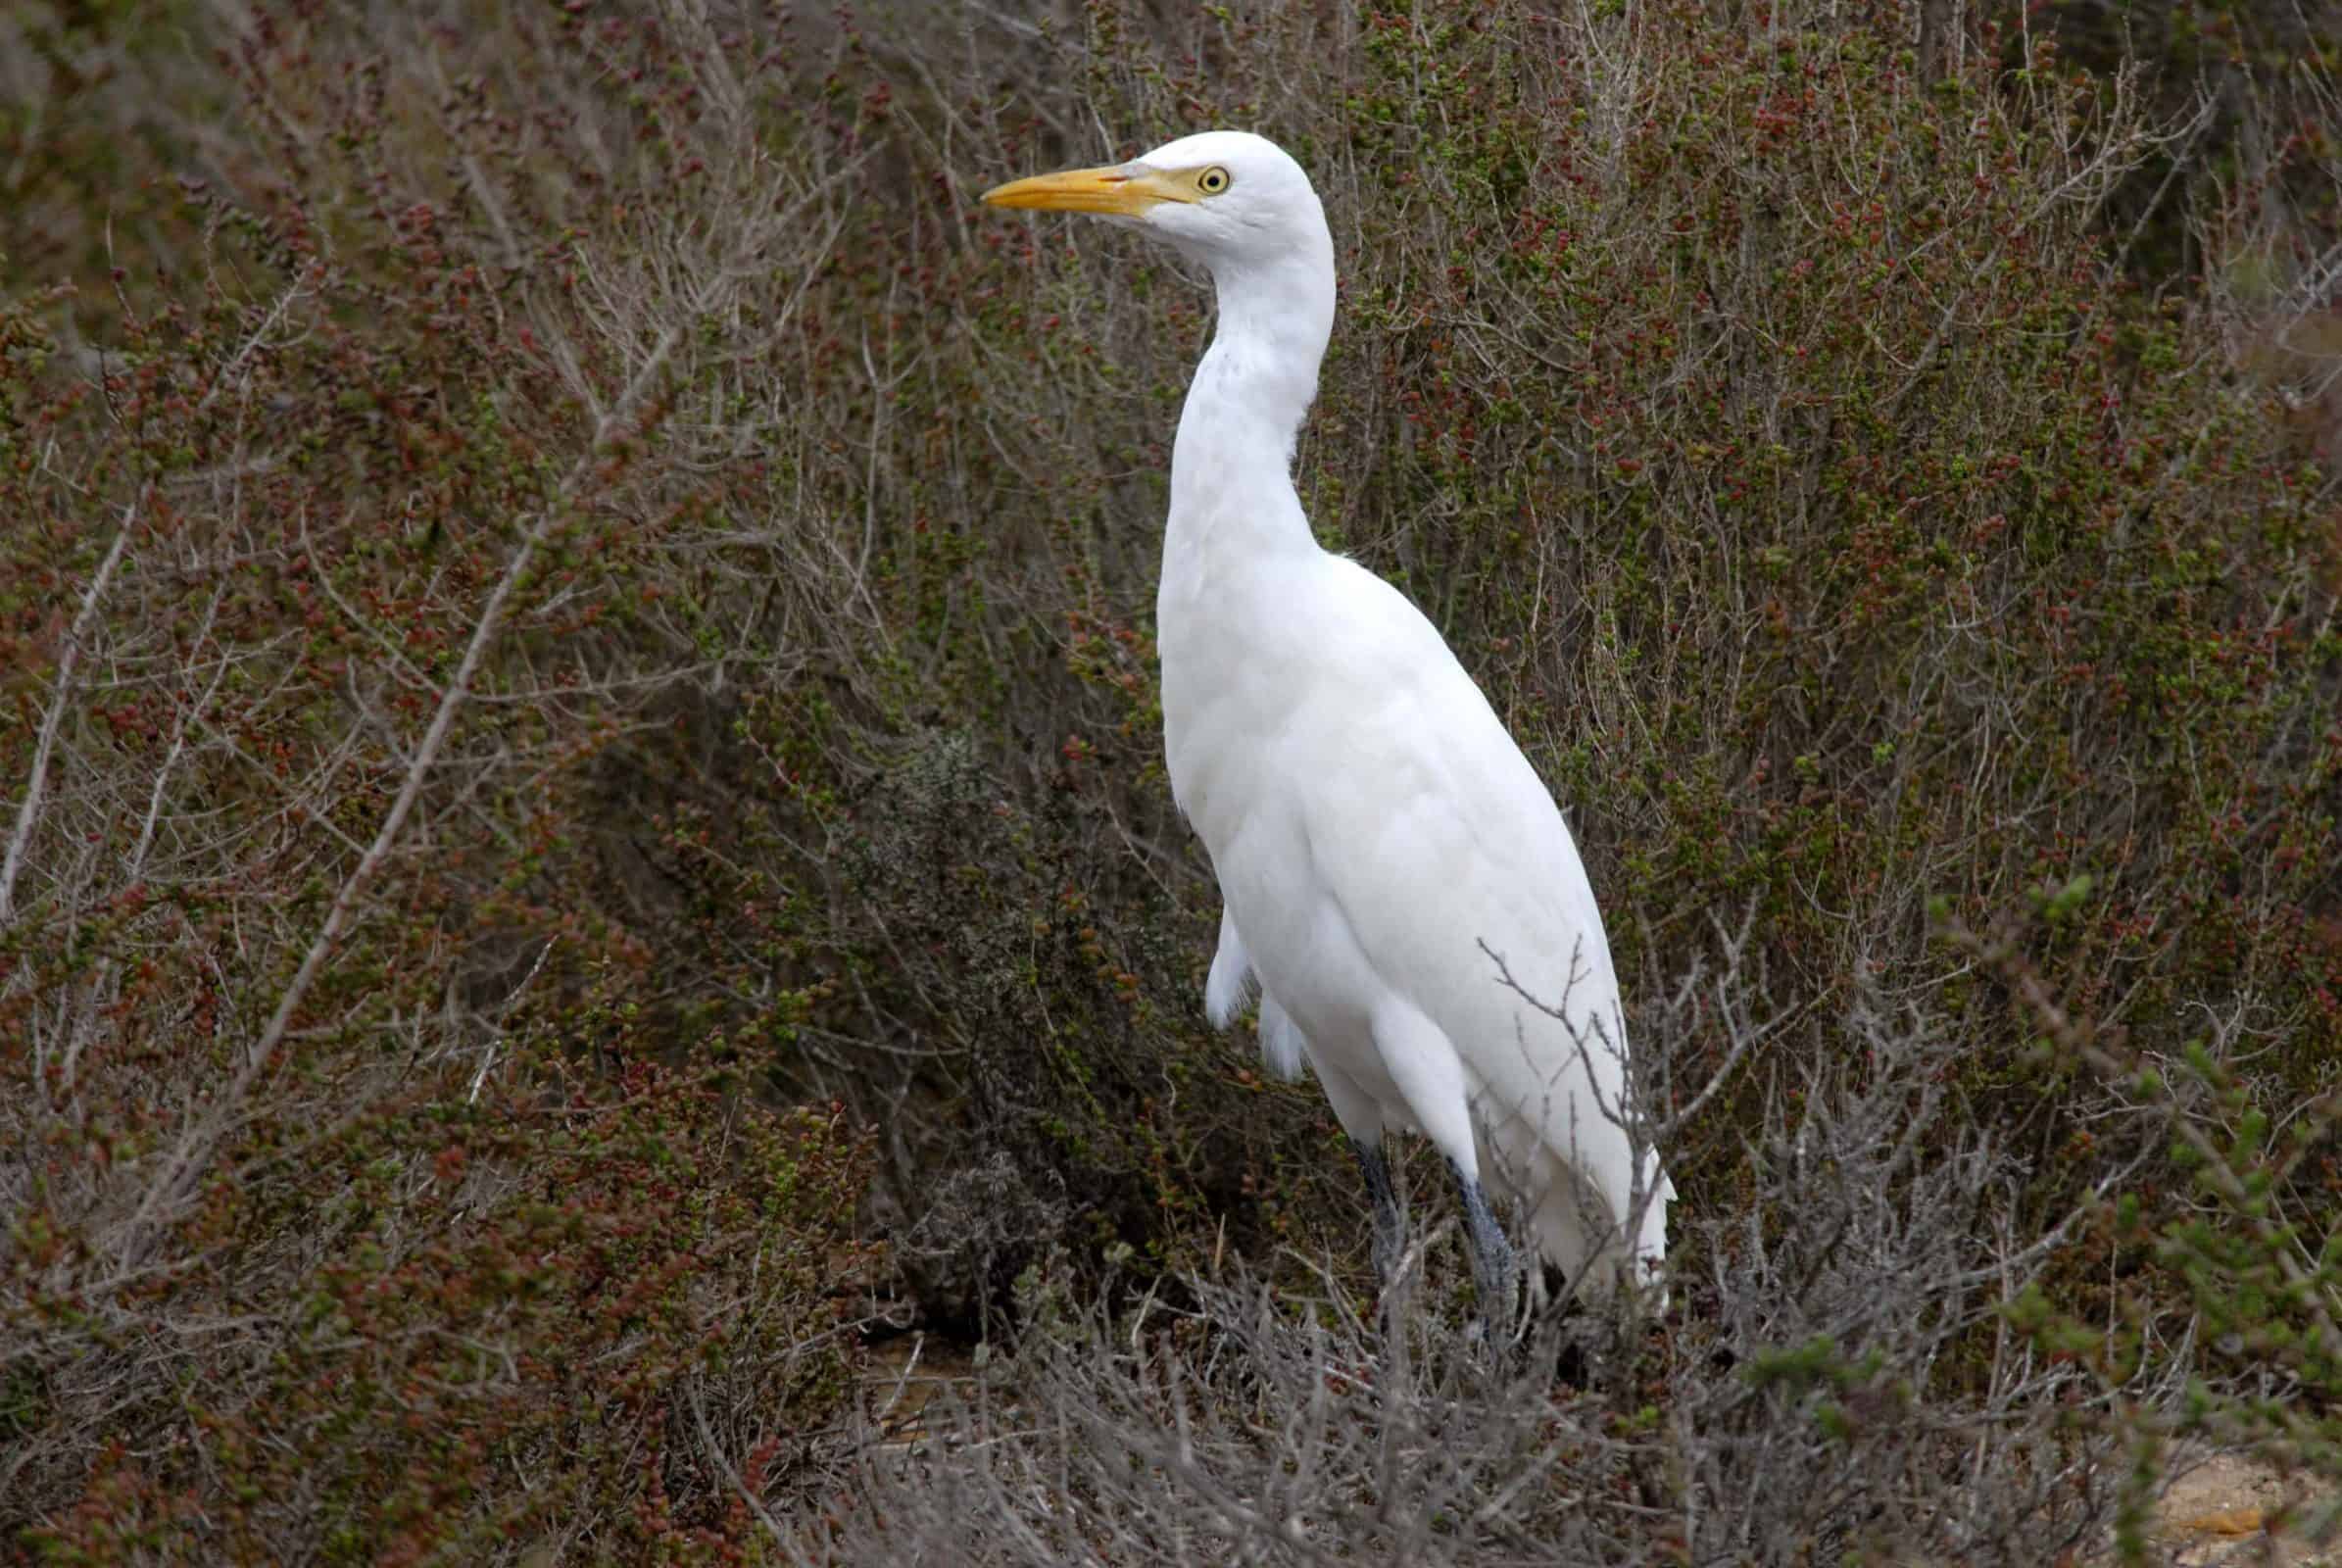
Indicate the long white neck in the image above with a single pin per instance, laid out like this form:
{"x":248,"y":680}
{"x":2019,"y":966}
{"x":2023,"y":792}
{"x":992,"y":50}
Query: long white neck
{"x":1232,"y":496}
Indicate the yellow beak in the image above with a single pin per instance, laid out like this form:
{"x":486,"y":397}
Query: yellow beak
{"x":1113,"y":190}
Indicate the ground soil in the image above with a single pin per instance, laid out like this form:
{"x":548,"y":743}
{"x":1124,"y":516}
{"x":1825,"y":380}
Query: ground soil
{"x":2230,"y":1510}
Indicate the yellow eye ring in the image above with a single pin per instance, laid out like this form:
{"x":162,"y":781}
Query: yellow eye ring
{"x":1213,"y":181}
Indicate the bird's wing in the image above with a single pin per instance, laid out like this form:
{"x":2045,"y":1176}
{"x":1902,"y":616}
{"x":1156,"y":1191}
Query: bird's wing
{"x":1434,"y":835}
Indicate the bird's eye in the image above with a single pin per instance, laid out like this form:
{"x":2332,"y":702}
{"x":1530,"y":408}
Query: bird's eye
{"x":1212,"y":182}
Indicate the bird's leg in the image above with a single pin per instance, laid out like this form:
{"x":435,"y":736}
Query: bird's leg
{"x":1389,"y":1220}
{"x":1495,"y":1272}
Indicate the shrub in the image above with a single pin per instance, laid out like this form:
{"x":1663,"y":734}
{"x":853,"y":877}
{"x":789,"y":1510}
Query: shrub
{"x":573,"y":595}
{"x":1841,"y":1392}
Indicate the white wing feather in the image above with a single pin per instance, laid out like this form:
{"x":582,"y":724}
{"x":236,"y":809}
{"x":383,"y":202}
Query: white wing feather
{"x":1373,"y":824}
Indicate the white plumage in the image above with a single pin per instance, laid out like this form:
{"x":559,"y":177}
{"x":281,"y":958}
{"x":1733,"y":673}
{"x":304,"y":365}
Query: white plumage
{"x":1371,"y":822}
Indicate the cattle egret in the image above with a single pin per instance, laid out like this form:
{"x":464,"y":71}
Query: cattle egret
{"x":1386,"y":855}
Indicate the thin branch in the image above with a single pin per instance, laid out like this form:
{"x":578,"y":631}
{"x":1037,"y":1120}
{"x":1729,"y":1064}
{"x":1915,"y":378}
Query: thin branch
{"x":192,"y":1156}
{"x":28,"y":812}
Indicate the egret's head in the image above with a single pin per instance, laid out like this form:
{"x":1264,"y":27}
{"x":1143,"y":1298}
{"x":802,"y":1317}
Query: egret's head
{"x":1223,"y":196}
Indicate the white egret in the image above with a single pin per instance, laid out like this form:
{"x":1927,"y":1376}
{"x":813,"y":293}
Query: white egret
{"x":1376,"y":833}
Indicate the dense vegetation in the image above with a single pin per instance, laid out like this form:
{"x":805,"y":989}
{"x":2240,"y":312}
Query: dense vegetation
{"x":585,"y":833}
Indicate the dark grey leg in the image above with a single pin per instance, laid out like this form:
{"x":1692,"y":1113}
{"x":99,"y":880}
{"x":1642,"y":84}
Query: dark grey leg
{"x":1389,"y":1220}
{"x":1494,"y":1271}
